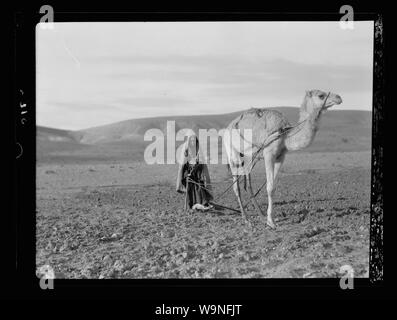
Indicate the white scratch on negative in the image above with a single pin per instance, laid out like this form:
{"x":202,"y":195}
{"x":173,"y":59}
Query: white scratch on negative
{"x":68,"y":50}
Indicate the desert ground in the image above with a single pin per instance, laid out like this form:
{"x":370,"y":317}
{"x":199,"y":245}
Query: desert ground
{"x":124,"y":219}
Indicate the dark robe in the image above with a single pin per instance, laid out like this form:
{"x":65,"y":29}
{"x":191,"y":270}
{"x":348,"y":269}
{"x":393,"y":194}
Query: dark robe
{"x":199,"y":191}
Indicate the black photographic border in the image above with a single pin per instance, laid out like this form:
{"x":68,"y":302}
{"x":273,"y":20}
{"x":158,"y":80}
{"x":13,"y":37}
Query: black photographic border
{"x":27,"y":284}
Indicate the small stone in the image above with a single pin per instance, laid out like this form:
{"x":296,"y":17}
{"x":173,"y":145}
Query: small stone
{"x":107,"y":259}
{"x":118,"y":266}
{"x":64,"y":246}
{"x":49,"y":246}
{"x":171,"y":234}
{"x":86,"y":272}
{"x":45,"y":271}
{"x":74,"y":245}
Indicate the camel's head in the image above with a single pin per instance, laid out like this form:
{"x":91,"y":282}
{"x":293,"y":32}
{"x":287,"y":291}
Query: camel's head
{"x":320,"y":100}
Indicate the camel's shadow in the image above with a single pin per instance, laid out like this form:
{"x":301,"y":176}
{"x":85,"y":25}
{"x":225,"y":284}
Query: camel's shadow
{"x":308,"y":200}
{"x":221,"y":211}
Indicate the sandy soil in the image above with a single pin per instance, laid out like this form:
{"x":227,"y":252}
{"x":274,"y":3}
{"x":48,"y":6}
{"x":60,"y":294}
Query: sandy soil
{"x":125,"y":220}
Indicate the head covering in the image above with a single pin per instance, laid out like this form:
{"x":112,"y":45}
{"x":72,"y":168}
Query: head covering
{"x":190,"y":151}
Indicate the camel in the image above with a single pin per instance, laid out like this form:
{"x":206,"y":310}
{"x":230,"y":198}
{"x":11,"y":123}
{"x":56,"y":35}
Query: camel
{"x":270,"y":125}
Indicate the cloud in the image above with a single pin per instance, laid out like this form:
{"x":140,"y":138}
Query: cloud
{"x":161,"y":86}
{"x":221,"y":75}
{"x":132,"y":70}
{"x":148,"y":102}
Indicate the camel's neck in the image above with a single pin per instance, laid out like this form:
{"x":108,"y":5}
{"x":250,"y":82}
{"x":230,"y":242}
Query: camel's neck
{"x":305,"y":106}
{"x":303,"y":134}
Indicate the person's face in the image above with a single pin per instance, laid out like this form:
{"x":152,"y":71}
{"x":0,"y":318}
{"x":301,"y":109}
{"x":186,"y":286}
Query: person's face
{"x":192,"y":145}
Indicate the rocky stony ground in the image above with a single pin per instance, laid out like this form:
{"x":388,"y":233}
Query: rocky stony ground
{"x":140,"y":230}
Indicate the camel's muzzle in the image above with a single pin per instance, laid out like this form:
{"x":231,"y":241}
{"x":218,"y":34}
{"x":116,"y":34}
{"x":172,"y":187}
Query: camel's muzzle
{"x":338,"y":99}
{"x":333,"y":99}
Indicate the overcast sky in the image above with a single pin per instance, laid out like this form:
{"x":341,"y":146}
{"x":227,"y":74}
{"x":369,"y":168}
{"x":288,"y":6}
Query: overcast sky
{"x":90,"y":74}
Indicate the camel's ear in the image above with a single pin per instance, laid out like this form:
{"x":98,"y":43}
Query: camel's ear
{"x":308,"y":93}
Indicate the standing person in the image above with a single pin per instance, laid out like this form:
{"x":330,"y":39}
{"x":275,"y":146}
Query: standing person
{"x":194,"y":176}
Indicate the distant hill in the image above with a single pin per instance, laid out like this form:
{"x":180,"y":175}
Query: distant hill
{"x":340,"y":130}
{"x":135,"y":129}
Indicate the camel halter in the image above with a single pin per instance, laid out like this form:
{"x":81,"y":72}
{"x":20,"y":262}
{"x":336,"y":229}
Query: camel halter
{"x":326,"y":98}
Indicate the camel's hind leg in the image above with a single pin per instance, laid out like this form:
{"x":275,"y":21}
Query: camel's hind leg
{"x":254,"y":202}
{"x":236,"y":189}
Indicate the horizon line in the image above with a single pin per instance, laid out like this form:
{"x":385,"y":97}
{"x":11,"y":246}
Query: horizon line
{"x":192,"y":115}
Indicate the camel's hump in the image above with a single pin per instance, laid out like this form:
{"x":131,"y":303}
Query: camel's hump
{"x":261,"y":118}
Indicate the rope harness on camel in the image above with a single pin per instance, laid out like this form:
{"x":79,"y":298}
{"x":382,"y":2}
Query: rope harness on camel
{"x":266,"y":143}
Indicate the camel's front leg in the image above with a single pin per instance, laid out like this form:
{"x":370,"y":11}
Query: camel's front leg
{"x":236,"y":188}
{"x":277,"y":165}
{"x":255,"y":203}
{"x":269,"y":164}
